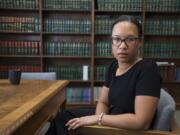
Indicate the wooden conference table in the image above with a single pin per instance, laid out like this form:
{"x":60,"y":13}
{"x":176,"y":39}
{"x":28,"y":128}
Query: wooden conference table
{"x":26,"y":107}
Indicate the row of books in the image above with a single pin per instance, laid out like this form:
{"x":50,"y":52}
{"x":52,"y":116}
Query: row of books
{"x":26,"y":67}
{"x":19,"y":24}
{"x":113,"y":5}
{"x":19,"y":4}
{"x":178,"y":73}
{"x":103,"y":48}
{"x":162,"y":49}
{"x":162,"y":5}
{"x":67,"y":48}
{"x":168,"y":72}
{"x":103,"y":23}
{"x":67,"y":25}
{"x":69,"y":72}
{"x":63,"y":71}
{"x":12,"y":47}
{"x":119,"y":5}
{"x":153,"y":49}
{"x":159,"y":49}
{"x":100,"y":72}
{"x":68,"y":4}
{"x":78,"y":95}
{"x":82,"y":94}
{"x":163,"y":26}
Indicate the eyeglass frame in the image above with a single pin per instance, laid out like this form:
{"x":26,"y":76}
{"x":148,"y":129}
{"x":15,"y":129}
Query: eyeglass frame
{"x":124,"y":40}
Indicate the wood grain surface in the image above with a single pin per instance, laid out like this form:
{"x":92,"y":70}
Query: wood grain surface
{"x":18,"y":103}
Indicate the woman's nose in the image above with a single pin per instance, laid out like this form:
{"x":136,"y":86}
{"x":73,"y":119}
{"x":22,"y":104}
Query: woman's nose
{"x":123,"y":45}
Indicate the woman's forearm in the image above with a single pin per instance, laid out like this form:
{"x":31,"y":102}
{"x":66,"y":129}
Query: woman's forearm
{"x":125,"y":121}
{"x":101,"y":107}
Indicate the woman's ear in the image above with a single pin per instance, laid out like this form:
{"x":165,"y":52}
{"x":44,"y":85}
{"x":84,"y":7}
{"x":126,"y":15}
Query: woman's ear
{"x":140,"y":41}
{"x":140,"y":47}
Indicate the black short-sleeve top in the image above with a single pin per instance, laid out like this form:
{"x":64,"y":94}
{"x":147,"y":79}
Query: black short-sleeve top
{"x":143,"y":78}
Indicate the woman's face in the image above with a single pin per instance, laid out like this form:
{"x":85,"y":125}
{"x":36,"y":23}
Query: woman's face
{"x":125,"y":42}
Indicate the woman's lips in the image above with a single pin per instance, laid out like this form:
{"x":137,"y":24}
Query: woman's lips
{"x":122,"y":54}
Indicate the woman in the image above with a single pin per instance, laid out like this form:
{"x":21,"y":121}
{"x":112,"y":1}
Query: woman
{"x":131,"y":91}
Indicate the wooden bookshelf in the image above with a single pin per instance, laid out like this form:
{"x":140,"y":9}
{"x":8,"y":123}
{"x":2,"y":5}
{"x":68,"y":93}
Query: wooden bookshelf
{"x":164,"y":36}
{"x":71,"y":34}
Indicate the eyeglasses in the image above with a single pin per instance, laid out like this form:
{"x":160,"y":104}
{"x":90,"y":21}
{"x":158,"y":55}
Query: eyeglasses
{"x":117,"y":41}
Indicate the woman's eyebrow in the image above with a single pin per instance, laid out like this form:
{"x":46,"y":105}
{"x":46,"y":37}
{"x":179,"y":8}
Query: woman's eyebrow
{"x":125,"y":36}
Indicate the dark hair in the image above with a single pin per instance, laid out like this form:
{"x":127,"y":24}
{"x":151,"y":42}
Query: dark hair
{"x":130,"y":19}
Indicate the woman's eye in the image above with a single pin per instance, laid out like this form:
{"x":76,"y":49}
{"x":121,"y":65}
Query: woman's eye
{"x":129,"y":39}
{"x":117,"y":39}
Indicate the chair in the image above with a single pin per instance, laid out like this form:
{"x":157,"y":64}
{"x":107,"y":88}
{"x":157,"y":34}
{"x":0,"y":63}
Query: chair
{"x":161,"y":124}
{"x":38,"y":75}
{"x":165,"y":112}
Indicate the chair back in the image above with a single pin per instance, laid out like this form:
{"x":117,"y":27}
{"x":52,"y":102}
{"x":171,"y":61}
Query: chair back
{"x":38,"y":75}
{"x":165,"y":112}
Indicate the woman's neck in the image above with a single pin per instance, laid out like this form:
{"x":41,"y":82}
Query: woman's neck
{"x":123,"y":67}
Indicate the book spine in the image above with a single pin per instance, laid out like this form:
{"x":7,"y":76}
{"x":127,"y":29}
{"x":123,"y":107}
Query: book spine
{"x":19,"y":24}
{"x":19,"y":47}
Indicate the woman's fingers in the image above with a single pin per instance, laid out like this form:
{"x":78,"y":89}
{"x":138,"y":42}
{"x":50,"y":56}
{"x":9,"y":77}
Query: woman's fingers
{"x":74,"y":123}
{"x":71,"y":121}
{"x":77,"y":122}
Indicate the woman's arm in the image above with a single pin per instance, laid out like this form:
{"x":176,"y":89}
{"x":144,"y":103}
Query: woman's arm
{"x":102,"y":105}
{"x":145,"y":107}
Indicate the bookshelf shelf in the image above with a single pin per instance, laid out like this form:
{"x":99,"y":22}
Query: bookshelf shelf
{"x":162,"y":35}
{"x":162,"y":12}
{"x":73,"y":37}
{"x":163,"y":58}
{"x":67,"y":57}
{"x":103,"y":34}
{"x":66,"y":11}
{"x":104,"y":57}
{"x":20,"y":33}
{"x":20,"y":56}
{"x":116,"y":12}
{"x":67,"y":34}
{"x":98,"y":83}
{"x":170,"y":60}
{"x":20,"y":9}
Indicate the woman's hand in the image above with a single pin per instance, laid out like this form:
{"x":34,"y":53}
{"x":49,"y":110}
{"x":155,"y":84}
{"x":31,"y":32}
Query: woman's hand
{"x":82,"y":121}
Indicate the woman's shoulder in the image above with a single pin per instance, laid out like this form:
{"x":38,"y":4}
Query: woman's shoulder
{"x":142,"y":64}
{"x":148,"y":64}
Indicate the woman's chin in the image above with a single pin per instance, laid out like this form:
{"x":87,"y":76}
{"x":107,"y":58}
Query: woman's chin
{"x":122,"y":60}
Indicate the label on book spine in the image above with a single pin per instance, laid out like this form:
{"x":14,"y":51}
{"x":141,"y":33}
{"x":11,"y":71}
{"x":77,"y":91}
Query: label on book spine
{"x":85,"y":72}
